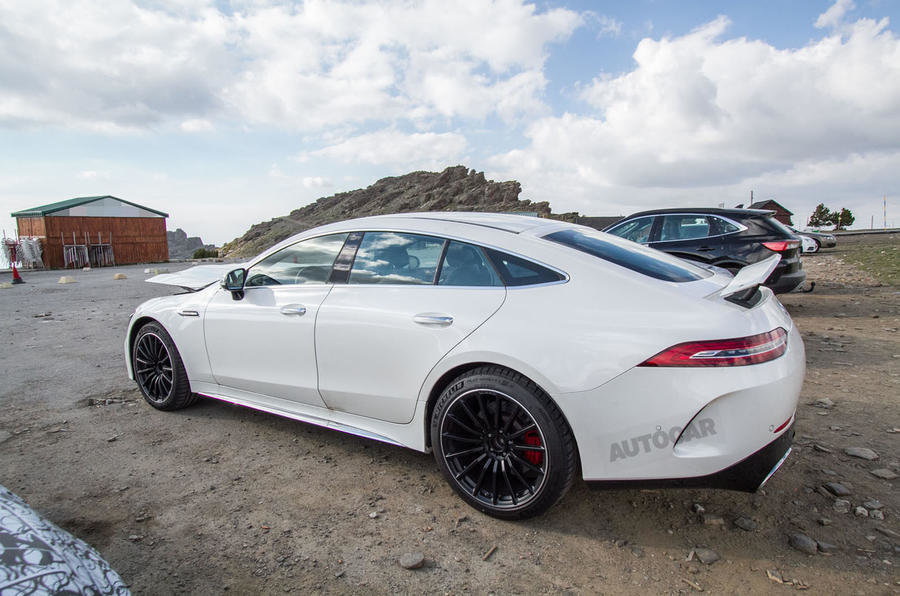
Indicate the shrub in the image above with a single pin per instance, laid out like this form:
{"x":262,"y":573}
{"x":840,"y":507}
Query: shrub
{"x":206,"y":253}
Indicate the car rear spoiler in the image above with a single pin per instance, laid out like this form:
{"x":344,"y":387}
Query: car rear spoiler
{"x":745,"y":282}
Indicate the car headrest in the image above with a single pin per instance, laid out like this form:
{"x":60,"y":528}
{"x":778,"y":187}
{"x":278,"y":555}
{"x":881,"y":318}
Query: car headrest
{"x":460,"y":255}
{"x":397,"y":256}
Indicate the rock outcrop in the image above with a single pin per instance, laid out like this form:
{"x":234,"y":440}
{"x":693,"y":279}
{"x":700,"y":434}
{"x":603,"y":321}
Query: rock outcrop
{"x":455,"y":189}
{"x":182,"y":247}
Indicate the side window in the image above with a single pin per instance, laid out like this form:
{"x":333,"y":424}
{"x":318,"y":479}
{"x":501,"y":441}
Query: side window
{"x":636,"y":230}
{"x":683,"y":227}
{"x":396,"y":258}
{"x":719,"y":226}
{"x":516,"y":271}
{"x":306,"y":262}
{"x":465,"y":265}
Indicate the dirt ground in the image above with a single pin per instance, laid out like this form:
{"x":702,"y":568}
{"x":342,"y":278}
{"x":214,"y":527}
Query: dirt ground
{"x":216,"y":498}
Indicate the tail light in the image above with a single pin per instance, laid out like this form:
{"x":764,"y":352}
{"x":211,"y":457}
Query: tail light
{"x":724,"y":352}
{"x":781,"y":245}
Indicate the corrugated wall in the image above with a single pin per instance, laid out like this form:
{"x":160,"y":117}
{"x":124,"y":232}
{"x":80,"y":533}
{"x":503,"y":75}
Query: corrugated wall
{"x":134,"y":239}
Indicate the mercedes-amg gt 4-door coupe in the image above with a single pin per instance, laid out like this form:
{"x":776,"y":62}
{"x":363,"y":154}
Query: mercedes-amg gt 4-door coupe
{"x":518,"y":350}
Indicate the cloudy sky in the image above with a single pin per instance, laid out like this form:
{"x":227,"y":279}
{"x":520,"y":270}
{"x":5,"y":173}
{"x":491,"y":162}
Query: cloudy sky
{"x":228,"y":113}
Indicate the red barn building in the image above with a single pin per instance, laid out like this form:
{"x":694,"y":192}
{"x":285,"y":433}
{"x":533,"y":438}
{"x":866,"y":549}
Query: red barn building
{"x":781,"y":212}
{"x":96,"y":231}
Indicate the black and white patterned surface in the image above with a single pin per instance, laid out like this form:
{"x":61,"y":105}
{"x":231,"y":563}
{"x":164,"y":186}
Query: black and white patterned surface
{"x":37,"y":557}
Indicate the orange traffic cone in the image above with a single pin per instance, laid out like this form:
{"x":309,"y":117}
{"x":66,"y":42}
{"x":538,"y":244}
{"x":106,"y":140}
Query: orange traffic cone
{"x":17,"y":279}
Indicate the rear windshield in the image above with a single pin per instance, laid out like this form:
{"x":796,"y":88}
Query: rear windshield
{"x":781,"y":227}
{"x":630,"y":255}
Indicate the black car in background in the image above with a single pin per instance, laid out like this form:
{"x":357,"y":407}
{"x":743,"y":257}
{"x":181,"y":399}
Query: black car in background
{"x":727,"y":238}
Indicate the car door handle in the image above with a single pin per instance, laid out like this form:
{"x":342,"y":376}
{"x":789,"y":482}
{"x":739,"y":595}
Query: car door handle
{"x":433,"y":319}
{"x":705,"y":248}
{"x":293,"y":309}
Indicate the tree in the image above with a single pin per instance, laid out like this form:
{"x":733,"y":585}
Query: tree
{"x":822,"y":216}
{"x":842,"y":219}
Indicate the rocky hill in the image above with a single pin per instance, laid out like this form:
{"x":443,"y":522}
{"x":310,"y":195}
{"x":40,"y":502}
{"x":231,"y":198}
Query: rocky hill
{"x":181,"y":246}
{"x":455,"y":189}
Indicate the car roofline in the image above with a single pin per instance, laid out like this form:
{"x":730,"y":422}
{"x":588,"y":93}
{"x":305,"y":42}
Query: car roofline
{"x":504,"y":222}
{"x":704,"y":211}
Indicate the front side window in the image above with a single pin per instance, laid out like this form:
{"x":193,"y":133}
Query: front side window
{"x":636,"y":230}
{"x":306,"y":262}
{"x":642,"y":259}
{"x":396,"y":258}
{"x":465,"y":265}
{"x":683,"y":227}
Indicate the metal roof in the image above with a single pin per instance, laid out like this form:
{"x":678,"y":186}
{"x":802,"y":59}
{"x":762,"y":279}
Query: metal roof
{"x":770,"y":204}
{"x":69,"y":203}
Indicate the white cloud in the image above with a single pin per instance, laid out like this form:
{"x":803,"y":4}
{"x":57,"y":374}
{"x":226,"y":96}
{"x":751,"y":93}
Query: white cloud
{"x":93,"y":175}
{"x":702,"y":117}
{"x":128,"y":66}
{"x":196,"y":125}
{"x":392,"y":147}
{"x":606,"y":26}
{"x":315,"y":182}
{"x":833,"y":17}
{"x":108,"y":66}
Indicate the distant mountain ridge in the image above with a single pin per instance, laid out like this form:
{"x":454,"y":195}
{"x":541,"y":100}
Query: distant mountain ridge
{"x":457,"y":188}
{"x":182,"y":246}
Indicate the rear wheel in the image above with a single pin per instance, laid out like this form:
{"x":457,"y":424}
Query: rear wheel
{"x":158,"y":369}
{"x":502,"y":444}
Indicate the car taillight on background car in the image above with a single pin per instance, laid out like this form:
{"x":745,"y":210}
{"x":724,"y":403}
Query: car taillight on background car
{"x":724,"y":352}
{"x":781,"y":245}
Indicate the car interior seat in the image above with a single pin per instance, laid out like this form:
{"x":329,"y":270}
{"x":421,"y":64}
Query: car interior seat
{"x":465,"y":267}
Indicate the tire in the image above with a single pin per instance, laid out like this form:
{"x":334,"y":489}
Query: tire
{"x":502,"y":444}
{"x":817,"y":246}
{"x":158,"y":369}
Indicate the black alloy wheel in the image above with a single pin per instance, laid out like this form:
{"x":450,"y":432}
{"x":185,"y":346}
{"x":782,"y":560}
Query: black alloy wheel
{"x":494,"y":448}
{"x":158,"y":369}
{"x":502,"y":443}
{"x":153,"y":367}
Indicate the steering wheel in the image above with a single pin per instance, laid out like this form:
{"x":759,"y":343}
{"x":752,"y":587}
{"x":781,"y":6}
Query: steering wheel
{"x":261,"y":279}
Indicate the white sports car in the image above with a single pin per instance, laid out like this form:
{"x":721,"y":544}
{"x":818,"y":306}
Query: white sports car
{"x":517,"y":349}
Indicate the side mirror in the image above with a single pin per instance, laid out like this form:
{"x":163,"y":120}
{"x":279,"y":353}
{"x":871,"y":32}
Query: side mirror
{"x":234,"y":283}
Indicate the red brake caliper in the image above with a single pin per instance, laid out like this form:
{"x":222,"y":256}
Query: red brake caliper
{"x":534,"y":457}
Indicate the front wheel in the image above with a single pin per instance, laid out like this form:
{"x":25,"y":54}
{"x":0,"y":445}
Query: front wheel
{"x":816,"y":246}
{"x":502,"y":443}
{"x":158,"y":369}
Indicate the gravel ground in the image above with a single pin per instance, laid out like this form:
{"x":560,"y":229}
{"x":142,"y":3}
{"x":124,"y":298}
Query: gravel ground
{"x":218,"y":498}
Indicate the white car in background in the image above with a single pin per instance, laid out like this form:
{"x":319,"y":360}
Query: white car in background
{"x":517,"y":349}
{"x":807,"y":244}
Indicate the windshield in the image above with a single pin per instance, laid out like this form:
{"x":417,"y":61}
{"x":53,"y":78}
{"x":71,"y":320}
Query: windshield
{"x":648,"y":261}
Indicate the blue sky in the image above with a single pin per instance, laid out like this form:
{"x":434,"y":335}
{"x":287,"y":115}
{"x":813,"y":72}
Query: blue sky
{"x":224,"y":114}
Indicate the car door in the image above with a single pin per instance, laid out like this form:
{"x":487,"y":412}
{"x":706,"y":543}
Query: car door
{"x":409,"y":299}
{"x":265,"y":342}
{"x":688,"y":235}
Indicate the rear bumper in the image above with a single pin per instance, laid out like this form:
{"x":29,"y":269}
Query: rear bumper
{"x":748,"y":475}
{"x":660,"y":424}
{"x":785,"y":282}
